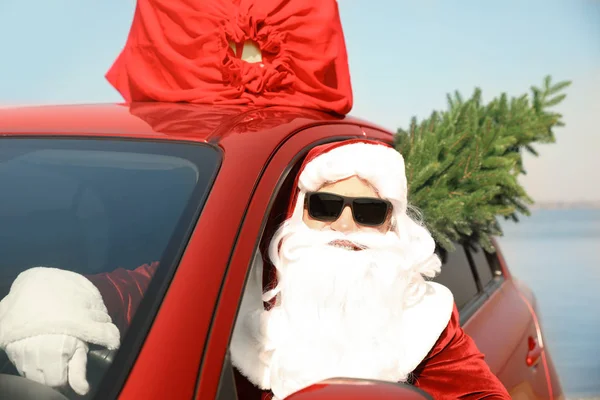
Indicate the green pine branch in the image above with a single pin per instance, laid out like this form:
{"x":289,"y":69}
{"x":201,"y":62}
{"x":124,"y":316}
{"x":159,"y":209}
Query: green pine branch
{"x":463,"y":164}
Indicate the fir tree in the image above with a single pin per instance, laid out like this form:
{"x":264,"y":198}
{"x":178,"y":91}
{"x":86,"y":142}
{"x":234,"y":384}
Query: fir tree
{"x":462,"y":164}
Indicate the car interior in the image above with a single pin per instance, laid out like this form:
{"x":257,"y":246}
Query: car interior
{"x":88,"y":213}
{"x":86,"y":218}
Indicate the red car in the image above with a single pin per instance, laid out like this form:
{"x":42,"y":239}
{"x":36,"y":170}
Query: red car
{"x":93,"y":188}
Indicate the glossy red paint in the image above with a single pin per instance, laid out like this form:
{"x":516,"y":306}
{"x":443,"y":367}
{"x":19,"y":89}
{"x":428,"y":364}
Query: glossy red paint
{"x":347,"y":389}
{"x":160,"y":121}
{"x":183,"y":354}
{"x":503,"y":328}
{"x":536,"y":350}
{"x":377,"y":133}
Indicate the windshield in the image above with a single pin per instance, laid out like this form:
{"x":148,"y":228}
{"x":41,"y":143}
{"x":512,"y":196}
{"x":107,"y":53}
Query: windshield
{"x":111,"y":211}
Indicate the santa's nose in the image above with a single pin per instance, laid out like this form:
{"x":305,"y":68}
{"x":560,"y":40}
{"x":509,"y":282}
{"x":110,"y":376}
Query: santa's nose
{"x":345,"y":223}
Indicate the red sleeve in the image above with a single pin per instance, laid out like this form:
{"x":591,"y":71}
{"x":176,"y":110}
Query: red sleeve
{"x":456,"y":369}
{"x":122,"y":290}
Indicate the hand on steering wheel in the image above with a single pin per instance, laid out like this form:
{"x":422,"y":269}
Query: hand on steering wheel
{"x":52,"y":360}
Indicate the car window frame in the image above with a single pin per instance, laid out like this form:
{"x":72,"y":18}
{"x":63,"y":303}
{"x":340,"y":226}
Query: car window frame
{"x":117,"y":373}
{"x":226,"y":386}
{"x":484,"y":292}
{"x":477,"y":267}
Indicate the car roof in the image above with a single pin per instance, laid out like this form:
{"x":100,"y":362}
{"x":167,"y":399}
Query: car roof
{"x":165,"y":121}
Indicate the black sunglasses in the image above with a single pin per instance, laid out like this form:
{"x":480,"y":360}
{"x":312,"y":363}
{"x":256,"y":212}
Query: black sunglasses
{"x":327,"y":207}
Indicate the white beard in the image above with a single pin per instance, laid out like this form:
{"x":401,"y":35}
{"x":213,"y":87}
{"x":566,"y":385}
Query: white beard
{"x":338,"y":312}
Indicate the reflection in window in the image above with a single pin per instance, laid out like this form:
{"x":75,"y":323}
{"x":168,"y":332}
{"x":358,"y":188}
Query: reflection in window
{"x":456,"y":275}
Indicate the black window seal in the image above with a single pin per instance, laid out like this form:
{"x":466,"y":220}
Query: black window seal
{"x":473,"y":268}
{"x":227,"y":389}
{"x":469,"y":309}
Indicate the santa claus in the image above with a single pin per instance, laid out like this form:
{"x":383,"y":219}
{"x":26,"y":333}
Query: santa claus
{"x":349,"y":297}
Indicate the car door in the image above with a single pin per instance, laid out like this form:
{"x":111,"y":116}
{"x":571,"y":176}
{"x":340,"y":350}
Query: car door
{"x":498,"y":318}
{"x":527,"y":368}
{"x":479,"y":295}
{"x":216,"y":376}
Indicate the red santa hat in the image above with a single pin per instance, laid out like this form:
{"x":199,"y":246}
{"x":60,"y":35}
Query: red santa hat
{"x":245,"y":52}
{"x":375,"y":162}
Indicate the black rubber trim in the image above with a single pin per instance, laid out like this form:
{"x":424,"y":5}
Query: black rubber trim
{"x":467,"y":311}
{"x":227,"y":389}
{"x":116,"y":137}
{"x":473,"y":268}
{"x":483,"y":292}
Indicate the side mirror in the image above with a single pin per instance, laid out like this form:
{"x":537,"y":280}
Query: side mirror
{"x":359,"y":389}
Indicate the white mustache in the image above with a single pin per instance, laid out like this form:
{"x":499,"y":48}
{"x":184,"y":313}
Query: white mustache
{"x":345,"y":243}
{"x":303,"y":238}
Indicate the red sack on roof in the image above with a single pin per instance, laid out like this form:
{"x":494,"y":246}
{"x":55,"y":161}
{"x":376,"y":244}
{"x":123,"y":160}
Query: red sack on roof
{"x":249,"y":52}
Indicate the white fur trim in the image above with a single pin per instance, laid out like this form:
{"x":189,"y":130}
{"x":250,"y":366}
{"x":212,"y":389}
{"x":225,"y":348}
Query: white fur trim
{"x":248,"y":354}
{"x":380,"y":165}
{"x":54,"y":301}
{"x":425,"y":322}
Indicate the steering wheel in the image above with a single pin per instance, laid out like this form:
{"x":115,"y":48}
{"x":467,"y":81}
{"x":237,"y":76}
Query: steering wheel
{"x":19,"y":388}
{"x":14,"y":386}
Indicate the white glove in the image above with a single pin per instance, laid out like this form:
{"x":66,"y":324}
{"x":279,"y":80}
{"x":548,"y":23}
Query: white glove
{"x":51,"y":360}
{"x":46,"y":322}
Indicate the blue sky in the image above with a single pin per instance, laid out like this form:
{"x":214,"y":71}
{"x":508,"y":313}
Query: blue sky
{"x":404,"y":57}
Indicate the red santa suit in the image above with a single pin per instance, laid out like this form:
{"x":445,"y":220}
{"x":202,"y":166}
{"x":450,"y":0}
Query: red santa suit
{"x":443,"y":360}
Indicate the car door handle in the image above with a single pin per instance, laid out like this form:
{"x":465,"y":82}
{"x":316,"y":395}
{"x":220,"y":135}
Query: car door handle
{"x":534,"y":352}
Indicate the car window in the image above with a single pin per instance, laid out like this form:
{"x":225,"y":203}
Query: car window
{"x":456,"y":275}
{"x":105,"y":209}
{"x":276,"y":215}
{"x":482,"y":265}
